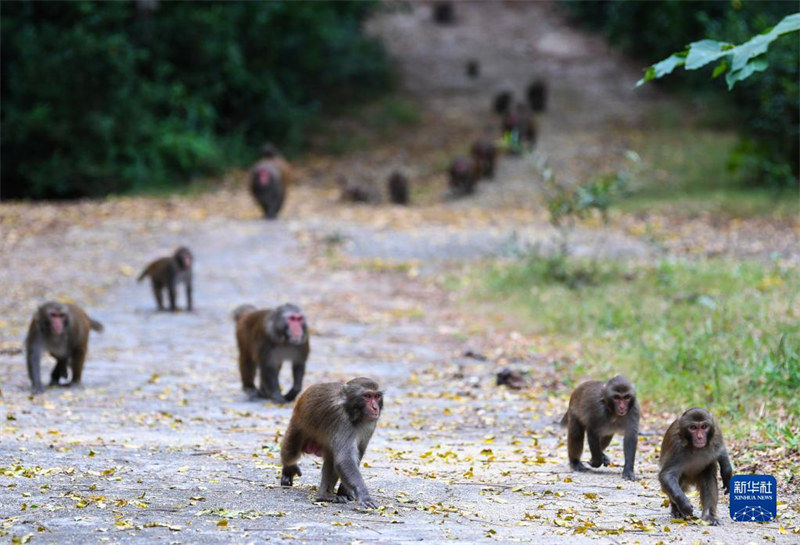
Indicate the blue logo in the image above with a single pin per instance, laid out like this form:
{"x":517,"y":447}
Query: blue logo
{"x":754,"y":498}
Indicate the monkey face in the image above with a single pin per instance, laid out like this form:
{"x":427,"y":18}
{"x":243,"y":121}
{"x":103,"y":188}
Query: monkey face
{"x":263,"y":177}
{"x":622,"y":403}
{"x":57,"y":319}
{"x":184,"y":258}
{"x":373,"y":404}
{"x":699,"y":433}
{"x":291,"y":324}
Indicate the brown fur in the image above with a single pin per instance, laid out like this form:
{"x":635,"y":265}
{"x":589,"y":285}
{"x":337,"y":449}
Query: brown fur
{"x":683,"y":465}
{"x":69,"y":346}
{"x":333,"y":420}
{"x":263,"y":346}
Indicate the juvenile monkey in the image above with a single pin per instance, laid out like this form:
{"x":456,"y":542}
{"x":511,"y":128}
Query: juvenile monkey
{"x":268,"y":180}
{"x":690,"y":452}
{"x":335,"y":421}
{"x":484,"y":153}
{"x":62,"y":329}
{"x":519,"y":127}
{"x":536,"y":94}
{"x":501,"y":104}
{"x":167,"y":273}
{"x":266,"y":338}
{"x":464,"y":175}
{"x":398,"y":188}
{"x":600,"y":409}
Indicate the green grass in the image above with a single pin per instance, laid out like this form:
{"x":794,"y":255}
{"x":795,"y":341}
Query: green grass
{"x":686,"y":170}
{"x":716,"y":334}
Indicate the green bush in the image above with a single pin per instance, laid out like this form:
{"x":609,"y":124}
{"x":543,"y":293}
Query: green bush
{"x":766,"y":104}
{"x":109,"y":97}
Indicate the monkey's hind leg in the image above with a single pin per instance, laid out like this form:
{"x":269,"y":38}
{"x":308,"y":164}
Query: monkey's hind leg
{"x":247,"y":370}
{"x":290,"y":454}
{"x":59,"y":371}
{"x":76,"y":363}
{"x":157,"y":293}
{"x":328,"y":482}
{"x":171,"y":292}
{"x":709,"y":494}
{"x":597,"y":445}
{"x":575,"y":444}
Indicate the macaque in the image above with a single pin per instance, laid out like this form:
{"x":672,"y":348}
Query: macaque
{"x":464,"y":175}
{"x":62,"y":329}
{"x":691,"y":449}
{"x":444,"y":13}
{"x":335,"y":421}
{"x":519,"y":128}
{"x":537,"y":95}
{"x":267,"y":338}
{"x":398,"y":188}
{"x":167,"y":273}
{"x":501,"y":105}
{"x":269,"y":178}
{"x":473,"y":68}
{"x":484,"y":153}
{"x":358,"y":192}
{"x":600,"y":409}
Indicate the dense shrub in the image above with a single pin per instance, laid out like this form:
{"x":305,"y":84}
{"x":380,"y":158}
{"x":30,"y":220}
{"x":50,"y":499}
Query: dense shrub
{"x":109,"y":97}
{"x":766,"y":104}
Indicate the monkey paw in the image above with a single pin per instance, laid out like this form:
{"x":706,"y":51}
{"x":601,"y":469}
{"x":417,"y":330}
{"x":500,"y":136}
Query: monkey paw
{"x":628,"y":476}
{"x":577,"y":465}
{"x":713,"y":521}
{"x":288,"y":474}
{"x":345,"y":493}
{"x":330,"y":498}
{"x":368,"y":503}
{"x":603,"y":461}
{"x":39,"y":389}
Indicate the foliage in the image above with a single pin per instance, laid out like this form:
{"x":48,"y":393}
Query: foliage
{"x":766,"y":107}
{"x":740,"y":62}
{"x":567,"y":204}
{"x":109,"y":97}
{"x":690,"y":333}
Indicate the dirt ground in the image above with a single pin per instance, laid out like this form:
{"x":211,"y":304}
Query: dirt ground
{"x":160,"y":445}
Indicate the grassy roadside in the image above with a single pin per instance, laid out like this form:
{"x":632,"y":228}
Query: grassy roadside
{"x":713,"y":332}
{"x":710,"y":333}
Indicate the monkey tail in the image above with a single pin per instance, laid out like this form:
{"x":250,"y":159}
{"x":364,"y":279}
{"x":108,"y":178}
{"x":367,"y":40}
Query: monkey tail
{"x":241,"y":310}
{"x":96,"y":326}
{"x":564,"y":420}
{"x":145,"y":272}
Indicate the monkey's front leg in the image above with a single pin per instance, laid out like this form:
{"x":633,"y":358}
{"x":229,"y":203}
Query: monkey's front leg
{"x":629,"y":448}
{"x":269,"y":387}
{"x":298,"y":371}
{"x":679,"y":503}
{"x":189,"y":293}
{"x":346,"y":464}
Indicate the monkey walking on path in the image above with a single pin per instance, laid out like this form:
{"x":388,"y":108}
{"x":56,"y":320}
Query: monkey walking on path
{"x":690,"y":452}
{"x":166,"y":273}
{"x":266,"y":338}
{"x":335,"y":421}
{"x":600,"y":409}
{"x":63,"y":330}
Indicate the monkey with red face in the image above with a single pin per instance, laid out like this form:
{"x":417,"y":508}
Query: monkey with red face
{"x":62,"y":329}
{"x":600,"y":409}
{"x":267,"y":338}
{"x":690,"y":453}
{"x":335,"y":421}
